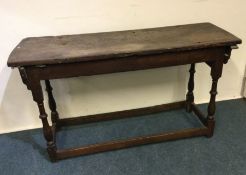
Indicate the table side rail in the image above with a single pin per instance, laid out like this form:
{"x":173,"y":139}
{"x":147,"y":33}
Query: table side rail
{"x":126,"y":64}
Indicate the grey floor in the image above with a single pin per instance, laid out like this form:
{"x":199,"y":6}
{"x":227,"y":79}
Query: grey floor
{"x":225,"y":153}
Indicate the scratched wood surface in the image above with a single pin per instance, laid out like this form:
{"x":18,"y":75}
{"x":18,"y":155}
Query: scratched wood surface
{"x":96,"y":46}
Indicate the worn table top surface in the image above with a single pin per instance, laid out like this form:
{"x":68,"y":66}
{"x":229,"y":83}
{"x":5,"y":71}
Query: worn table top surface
{"x":96,"y":46}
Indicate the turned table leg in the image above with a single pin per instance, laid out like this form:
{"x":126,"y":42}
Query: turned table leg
{"x":190,"y":95}
{"x":52,"y":105}
{"x":37,"y":93}
{"x":216,"y":71}
{"x":24,"y":77}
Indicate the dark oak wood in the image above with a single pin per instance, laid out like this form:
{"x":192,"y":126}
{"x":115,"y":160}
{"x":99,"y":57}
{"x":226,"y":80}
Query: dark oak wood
{"x":37,"y":94}
{"x":216,"y":72}
{"x":126,"y":64}
{"x":52,"y":105}
{"x":121,"y":114}
{"x":98,"y":46}
{"x":45,"y":58}
{"x":115,"y":145}
{"x":190,"y":95}
{"x":24,"y":77}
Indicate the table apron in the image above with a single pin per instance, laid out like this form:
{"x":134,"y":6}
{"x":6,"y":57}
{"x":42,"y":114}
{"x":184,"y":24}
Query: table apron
{"x":131,"y":63}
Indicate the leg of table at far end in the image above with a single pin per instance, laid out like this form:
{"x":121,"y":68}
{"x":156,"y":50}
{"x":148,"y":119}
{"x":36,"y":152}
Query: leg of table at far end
{"x":190,"y":95}
{"x":52,"y":105}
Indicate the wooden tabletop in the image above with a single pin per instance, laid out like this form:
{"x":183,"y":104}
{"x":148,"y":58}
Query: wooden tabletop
{"x":97,"y":46}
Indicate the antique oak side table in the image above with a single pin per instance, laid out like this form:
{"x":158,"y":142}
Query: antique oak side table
{"x":54,"y":57}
